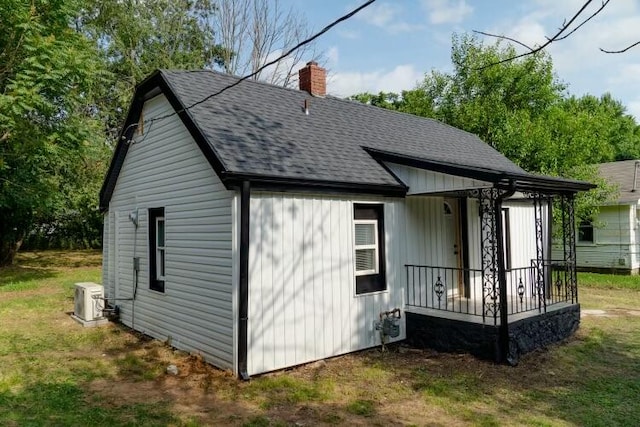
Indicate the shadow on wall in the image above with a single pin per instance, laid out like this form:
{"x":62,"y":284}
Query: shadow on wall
{"x":300,"y":262}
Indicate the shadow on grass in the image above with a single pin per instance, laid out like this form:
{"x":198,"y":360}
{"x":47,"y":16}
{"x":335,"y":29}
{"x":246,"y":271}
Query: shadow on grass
{"x":43,"y":403}
{"x":60,"y":259}
{"x":17,"y":278}
{"x":594,"y":379}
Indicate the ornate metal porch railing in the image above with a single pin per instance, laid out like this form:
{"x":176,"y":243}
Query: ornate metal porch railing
{"x":460,"y":290}
{"x":457,"y":290}
{"x":538,"y":286}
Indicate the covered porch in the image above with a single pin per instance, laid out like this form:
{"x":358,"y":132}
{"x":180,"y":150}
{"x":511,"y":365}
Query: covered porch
{"x":479,"y":272}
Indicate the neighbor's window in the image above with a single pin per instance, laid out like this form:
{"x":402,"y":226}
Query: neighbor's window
{"x":368,"y":231}
{"x":585,"y":231}
{"x":156,"y":249}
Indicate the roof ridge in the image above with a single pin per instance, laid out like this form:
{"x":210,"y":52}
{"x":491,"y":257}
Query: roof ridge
{"x":232,"y":76}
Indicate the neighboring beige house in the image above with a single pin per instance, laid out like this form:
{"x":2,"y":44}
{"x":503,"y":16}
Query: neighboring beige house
{"x":613,"y":245}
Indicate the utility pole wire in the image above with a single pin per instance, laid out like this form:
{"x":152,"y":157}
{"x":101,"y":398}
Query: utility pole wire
{"x":556,"y":37}
{"x":259,"y":70}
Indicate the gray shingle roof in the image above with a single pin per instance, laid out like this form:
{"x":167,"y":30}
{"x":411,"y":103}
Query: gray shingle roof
{"x":260,"y":132}
{"x":621,"y":173}
{"x":262,"y":129}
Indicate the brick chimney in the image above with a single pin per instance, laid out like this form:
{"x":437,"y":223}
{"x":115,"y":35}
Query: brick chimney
{"x":313,"y":79}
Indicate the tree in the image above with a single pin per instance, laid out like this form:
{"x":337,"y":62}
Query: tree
{"x":137,"y":37}
{"x":253,"y":32}
{"x":569,"y":26}
{"x":48,"y":75}
{"x":608,"y":119}
{"x":522,"y":109}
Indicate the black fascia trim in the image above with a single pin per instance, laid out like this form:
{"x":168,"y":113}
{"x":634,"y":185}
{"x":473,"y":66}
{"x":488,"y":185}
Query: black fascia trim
{"x":288,"y":184}
{"x":437,"y":166}
{"x":524,"y":181}
{"x":122,"y":146}
{"x":550,"y":185}
{"x":389,"y":171}
{"x":153,"y":85}
{"x":194,"y":130}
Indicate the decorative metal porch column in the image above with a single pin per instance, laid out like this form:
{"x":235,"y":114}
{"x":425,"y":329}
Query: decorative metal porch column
{"x":538,"y":209}
{"x":494,"y":291}
{"x":494,"y":280}
{"x":569,"y":244}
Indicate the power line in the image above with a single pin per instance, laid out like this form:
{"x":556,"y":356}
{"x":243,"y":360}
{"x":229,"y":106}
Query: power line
{"x":259,"y":70}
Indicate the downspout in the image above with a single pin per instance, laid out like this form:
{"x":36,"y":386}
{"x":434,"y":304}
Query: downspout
{"x":503,"y":334}
{"x":243,"y":288}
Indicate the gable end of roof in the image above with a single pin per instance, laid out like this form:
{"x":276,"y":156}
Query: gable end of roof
{"x":153,"y":85}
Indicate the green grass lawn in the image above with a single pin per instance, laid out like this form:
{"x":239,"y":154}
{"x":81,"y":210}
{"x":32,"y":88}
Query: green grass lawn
{"x":54,"y":372}
{"x":609,"y":281}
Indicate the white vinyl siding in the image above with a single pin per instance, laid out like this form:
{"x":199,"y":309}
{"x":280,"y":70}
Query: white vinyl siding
{"x":614,"y":246}
{"x":109,"y":254}
{"x":106,"y":253}
{"x":422,"y":181}
{"x":302,"y":302}
{"x":167,"y":169}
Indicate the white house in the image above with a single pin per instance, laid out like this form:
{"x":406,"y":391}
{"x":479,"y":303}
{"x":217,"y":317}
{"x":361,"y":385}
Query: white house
{"x":613,"y":244}
{"x":266,"y":227}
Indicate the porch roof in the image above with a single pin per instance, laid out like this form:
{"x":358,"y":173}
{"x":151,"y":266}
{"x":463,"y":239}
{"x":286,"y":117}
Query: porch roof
{"x":520,"y":181}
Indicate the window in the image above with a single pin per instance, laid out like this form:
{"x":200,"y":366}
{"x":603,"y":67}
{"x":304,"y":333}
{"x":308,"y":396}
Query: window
{"x":585,"y":232}
{"x":156,"y":249}
{"x":368,"y":232}
{"x":366,"y":238}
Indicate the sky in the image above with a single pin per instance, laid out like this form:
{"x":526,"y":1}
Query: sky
{"x":390,"y":45}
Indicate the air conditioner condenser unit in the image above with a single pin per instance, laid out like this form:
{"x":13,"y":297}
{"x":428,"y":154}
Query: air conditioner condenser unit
{"x":88,"y":304}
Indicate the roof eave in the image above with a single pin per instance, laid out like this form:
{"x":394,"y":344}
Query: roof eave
{"x":521,"y":181}
{"x":153,"y":85}
{"x":279,"y":183}
{"x":133,"y":115}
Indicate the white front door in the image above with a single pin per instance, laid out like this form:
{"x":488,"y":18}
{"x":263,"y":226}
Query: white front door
{"x":452,"y":256}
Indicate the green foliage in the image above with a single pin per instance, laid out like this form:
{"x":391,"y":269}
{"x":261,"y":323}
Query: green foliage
{"x":365,"y":408}
{"x":522,"y":109}
{"x":137,"y":37}
{"x":285,"y":390}
{"x":48,"y":135}
{"x":67,"y":72}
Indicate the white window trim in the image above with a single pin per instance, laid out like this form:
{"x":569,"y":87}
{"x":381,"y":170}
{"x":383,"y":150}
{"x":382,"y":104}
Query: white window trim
{"x":375,"y":246}
{"x":161,"y":260}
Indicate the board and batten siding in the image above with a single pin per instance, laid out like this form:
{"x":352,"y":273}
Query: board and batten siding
{"x":427,"y":243}
{"x":165,"y":168}
{"x":421,"y":181}
{"x":302,"y":301}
